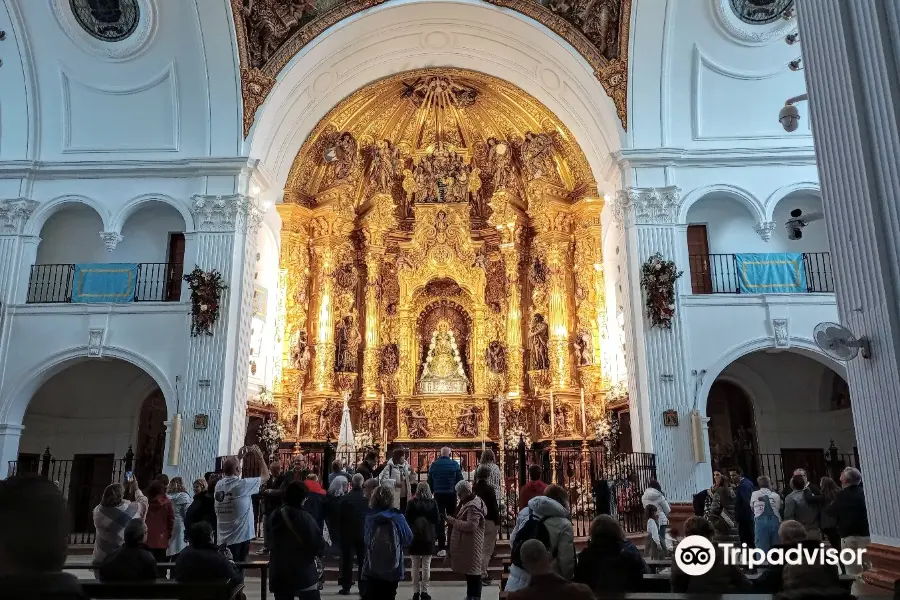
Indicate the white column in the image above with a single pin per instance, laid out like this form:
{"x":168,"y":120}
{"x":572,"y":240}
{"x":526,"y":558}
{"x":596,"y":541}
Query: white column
{"x":851,"y":65}
{"x":9,"y":446}
{"x":224,"y":240}
{"x":658,"y":375}
{"x":14,"y":213}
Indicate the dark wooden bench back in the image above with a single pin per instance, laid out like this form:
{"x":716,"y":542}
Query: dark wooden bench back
{"x":162,"y":589}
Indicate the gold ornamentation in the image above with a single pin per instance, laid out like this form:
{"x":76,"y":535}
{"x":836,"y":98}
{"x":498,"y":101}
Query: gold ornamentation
{"x":444,"y":418}
{"x":256,"y":85}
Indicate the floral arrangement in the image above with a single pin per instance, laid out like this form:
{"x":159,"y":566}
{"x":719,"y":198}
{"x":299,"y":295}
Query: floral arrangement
{"x":206,"y":293}
{"x":265,"y":397}
{"x":658,"y":278}
{"x":363,"y":440}
{"x":270,"y":435}
{"x":512,"y":435}
{"x":617,"y":393}
{"x":606,"y":430}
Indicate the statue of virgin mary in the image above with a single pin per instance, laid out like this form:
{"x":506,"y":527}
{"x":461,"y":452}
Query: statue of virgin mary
{"x":443,"y":371}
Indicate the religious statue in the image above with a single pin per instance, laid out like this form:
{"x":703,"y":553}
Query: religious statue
{"x":443,"y":370}
{"x":384,"y":166}
{"x":416,"y":422}
{"x":499,"y":163}
{"x":538,"y":338}
{"x":584,"y":348}
{"x":467,"y":422}
{"x":442,"y":176}
{"x":496,"y":357}
{"x":537,"y":155}
{"x":389,"y":361}
{"x":300,"y":354}
{"x":538,"y":272}
{"x":329,"y":420}
{"x":347,"y":341}
{"x":345,"y":156}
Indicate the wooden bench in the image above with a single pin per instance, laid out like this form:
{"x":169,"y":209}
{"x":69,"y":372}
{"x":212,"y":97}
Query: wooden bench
{"x":250,"y":565}
{"x":161,"y":589}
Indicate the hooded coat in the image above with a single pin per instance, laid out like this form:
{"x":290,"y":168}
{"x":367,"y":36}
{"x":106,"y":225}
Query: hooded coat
{"x":467,"y":537}
{"x":562,"y":539}
{"x":656,"y":498}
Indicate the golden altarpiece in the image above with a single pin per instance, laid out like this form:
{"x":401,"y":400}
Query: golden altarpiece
{"x":440,"y":264}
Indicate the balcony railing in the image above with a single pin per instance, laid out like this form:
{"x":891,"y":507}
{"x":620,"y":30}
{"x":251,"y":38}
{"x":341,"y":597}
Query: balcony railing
{"x":155,"y":282}
{"x":718,"y":273}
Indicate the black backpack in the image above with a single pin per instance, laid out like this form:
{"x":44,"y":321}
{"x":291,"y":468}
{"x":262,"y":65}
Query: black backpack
{"x":533,"y":529}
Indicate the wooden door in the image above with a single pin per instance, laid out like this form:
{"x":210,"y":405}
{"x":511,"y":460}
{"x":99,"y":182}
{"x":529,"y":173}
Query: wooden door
{"x":698,"y":257}
{"x":811,"y":459}
{"x":91,"y":473}
{"x":175,"y":267}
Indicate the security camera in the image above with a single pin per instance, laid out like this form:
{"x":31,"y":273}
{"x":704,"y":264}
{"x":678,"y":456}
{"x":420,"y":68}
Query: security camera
{"x":798,"y":221}
{"x":789,"y":117}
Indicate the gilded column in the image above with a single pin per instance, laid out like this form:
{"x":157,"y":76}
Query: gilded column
{"x":590,"y":296}
{"x":377,"y":222}
{"x":557,"y":252}
{"x":294,"y":293}
{"x":323,"y":370}
{"x":506,"y":219}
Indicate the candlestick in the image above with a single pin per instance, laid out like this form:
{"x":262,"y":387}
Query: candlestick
{"x":381,"y":426}
{"x":299,"y":410}
{"x":552,"y":416}
{"x":583,"y":420}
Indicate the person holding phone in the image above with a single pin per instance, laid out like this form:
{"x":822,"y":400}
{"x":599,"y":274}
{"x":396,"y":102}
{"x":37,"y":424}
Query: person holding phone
{"x":234,"y":505}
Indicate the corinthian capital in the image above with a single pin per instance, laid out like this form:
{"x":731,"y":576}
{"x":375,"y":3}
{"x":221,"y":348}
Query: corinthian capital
{"x":232,"y":212}
{"x":647,"y":206}
{"x":14,"y":213}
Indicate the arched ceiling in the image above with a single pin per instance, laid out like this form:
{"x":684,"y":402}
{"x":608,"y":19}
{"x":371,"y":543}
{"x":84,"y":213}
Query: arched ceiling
{"x":271,"y":32}
{"x":461,"y":112}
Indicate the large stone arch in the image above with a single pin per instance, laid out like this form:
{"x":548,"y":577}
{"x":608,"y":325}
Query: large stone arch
{"x":402,"y":36}
{"x":747,"y":199}
{"x":47,"y":209}
{"x":15,"y":402}
{"x":135,"y":204}
{"x":799,"y":345}
{"x":783,"y":192}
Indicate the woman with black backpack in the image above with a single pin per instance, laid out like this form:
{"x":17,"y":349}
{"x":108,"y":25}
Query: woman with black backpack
{"x":294,"y":543}
{"x":422,"y":516}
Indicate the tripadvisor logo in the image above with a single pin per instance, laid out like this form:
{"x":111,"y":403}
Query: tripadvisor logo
{"x":695,"y":555}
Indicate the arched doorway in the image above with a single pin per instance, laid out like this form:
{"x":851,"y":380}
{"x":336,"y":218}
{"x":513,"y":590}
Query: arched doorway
{"x":87,"y":425}
{"x":773,"y":411}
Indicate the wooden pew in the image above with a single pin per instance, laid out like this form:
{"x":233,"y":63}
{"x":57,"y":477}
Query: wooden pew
{"x":161,"y":589}
{"x":250,"y":565}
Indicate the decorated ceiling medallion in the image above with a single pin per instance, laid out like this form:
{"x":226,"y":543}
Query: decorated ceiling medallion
{"x":107,"y":20}
{"x":760,"y":12}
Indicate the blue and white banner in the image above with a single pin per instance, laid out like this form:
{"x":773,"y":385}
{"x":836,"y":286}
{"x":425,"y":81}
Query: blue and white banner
{"x":104,"y":282}
{"x":771,"y":273}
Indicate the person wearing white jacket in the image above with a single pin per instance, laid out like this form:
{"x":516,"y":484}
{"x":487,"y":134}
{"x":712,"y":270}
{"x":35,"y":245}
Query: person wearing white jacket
{"x":653,"y":495}
{"x":554,"y":507}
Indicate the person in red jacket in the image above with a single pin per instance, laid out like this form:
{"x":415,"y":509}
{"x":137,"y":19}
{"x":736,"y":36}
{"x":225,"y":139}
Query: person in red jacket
{"x":535,"y":487}
{"x":160,"y":520}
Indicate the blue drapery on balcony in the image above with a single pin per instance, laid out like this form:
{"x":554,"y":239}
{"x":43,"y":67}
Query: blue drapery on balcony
{"x":771,"y":273}
{"x":104,"y":282}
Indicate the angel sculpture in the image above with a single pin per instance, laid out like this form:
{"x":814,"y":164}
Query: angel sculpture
{"x":537,"y":155}
{"x":383,"y":168}
{"x":346,"y":156}
{"x":499,"y":163}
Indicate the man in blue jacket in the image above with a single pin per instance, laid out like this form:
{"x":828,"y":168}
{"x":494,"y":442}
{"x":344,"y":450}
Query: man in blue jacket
{"x":443,"y":475}
{"x":743,"y":514}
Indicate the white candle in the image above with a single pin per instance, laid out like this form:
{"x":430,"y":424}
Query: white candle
{"x":299,"y":408}
{"x":583,"y":420}
{"x":552,"y":415}
{"x":381,"y":424}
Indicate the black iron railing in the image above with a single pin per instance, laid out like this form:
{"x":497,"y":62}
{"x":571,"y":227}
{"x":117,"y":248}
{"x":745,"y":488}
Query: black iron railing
{"x":595,"y":482}
{"x":81,"y":483}
{"x":718,"y":273}
{"x":155,"y":282}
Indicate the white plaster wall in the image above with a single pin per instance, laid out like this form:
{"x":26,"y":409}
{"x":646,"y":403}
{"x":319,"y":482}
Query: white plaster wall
{"x":265,"y":339}
{"x":72,"y":235}
{"x":93,"y":407}
{"x":175,"y":95}
{"x":789,"y":402}
{"x":731,"y":226}
{"x":145,"y":235}
{"x":692,"y":84}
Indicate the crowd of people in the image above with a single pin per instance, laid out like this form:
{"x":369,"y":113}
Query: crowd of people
{"x":374,"y":517}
